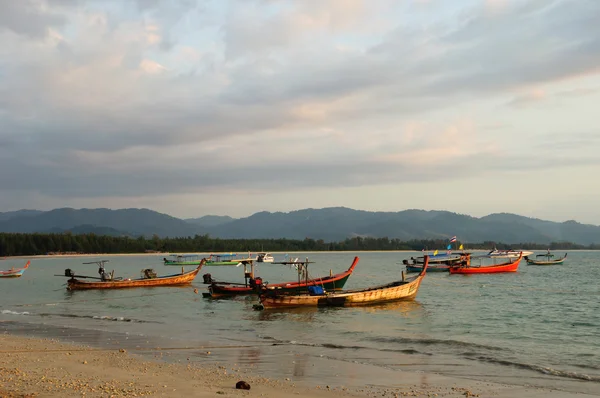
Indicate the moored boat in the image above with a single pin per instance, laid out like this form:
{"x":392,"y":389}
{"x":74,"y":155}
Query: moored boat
{"x":318,"y":297}
{"x":439,"y":266}
{"x":510,"y":253}
{"x":251,"y":283}
{"x":108,"y":281}
{"x":183,"y":259}
{"x":224,"y":259}
{"x":545,"y":259}
{"x":14,"y":272}
{"x":264,"y":257}
{"x":511,"y":265}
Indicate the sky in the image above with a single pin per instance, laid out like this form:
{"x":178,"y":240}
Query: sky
{"x":230,"y":107}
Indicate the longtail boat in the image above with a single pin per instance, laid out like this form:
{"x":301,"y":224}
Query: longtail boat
{"x":549,"y":259}
{"x":331,"y":282}
{"x":183,"y":259}
{"x":510,"y":253}
{"x":224,"y":259}
{"x":511,"y":266}
{"x":108,"y":281}
{"x":318,"y":297}
{"x":14,"y":272}
{"x":438,"y":266}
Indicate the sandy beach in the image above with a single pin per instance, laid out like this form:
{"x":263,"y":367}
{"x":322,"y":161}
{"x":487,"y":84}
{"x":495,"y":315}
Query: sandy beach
{"x":48,"y":368}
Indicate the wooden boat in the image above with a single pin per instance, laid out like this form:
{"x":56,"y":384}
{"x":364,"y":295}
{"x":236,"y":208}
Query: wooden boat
{"x":250,"y":285}
{"x":510,"y":266}
{"x":183,"y":259}
{"x":14,"y":272}
{"x":510,"y":253}
{"x":224,"y":259}
{"x":549,"y":259}
{"x":108,"y":281}
{"x":439,"y":266}
{"x":317,"y":297}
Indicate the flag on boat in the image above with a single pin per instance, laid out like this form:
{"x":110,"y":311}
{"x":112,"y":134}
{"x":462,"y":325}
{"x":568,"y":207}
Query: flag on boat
{"x":461,"y":247}
{"x":435,"y":252}
{"x":449,"y":252}
{"x":448,"y":247}
{"x":453,"y":239}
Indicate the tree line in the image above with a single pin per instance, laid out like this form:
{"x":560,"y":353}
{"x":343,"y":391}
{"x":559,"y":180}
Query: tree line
{"x":17,"y":244}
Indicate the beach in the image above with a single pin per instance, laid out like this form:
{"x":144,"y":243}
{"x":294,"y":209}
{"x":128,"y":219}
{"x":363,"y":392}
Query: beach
{"x":32,"y":367}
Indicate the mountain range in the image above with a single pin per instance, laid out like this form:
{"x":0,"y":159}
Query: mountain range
{"x":328,"y":224}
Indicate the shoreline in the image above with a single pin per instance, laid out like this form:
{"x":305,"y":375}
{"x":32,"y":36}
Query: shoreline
{"x":49,"y":367}
{"x":45,"y":256}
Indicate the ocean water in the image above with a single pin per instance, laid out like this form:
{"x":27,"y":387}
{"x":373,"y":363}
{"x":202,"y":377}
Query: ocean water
{"x":539,"y":326}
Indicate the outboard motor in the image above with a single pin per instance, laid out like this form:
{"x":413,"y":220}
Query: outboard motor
{"x":405,"y":262}
{"x":255,"y":282}
{"x":69,"y":272}
{"x":207,"y":279}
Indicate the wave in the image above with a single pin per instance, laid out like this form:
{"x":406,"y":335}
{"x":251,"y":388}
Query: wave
{"x":103,"y":317}
{"x":540,"y":369}
{"x":450,"y":343}
{"x":409,"y":351}
{"x":467,"y":355}
{"x":99,"y":317}
{"x":9,"y":312}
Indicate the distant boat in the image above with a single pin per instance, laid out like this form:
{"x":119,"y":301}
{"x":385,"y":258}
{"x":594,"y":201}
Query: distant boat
{"x":319,"y":297}
{"x":14,"y":272}
{"x":183,"y":259}
{"x":440,"y":263}
{"x":224,"y":259}
{"x":264,"y":257}
{"x":510,"y":266}
{"x":545,"y":259}
{"x":510,"y":253}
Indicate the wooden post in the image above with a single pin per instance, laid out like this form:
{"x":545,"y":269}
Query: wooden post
{"x":403,"y":277}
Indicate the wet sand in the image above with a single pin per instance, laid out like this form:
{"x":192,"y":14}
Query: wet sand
{"x":48,"y":368}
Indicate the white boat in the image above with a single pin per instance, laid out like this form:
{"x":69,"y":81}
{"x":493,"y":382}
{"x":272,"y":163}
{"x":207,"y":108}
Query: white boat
{"x":508,"y":253}
{"x":264,"y":258}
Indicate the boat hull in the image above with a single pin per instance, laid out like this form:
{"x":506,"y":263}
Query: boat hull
{"x":168,"y":262}
{"x":395,"y":291}
{"x":333,"y":282}
{"x":14,"y":273}
{"x":511,"y":266}
{"x":170,"y":280}
{"x":557,"y":261}
{"x":430,"y":268}
{"x":212,"y":263}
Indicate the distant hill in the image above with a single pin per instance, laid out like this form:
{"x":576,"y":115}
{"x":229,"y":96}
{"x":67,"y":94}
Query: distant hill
{"x":338,"y":223}
{"x":136,"y":222}
{"x":210,"y":221}
{"x":19,"y":213}
{"x":328,"y":224}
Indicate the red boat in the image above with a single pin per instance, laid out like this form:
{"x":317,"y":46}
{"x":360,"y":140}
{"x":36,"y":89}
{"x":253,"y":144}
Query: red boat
{"x":488,"y":269}
{"x":331,"y":282}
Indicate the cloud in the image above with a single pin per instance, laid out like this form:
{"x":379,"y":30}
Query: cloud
{"x":28,"y":18}
{"x":112,"y":98}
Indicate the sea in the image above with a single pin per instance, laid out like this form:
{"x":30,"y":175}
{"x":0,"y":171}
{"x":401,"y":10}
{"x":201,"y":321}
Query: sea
{"x":537,"y":327}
